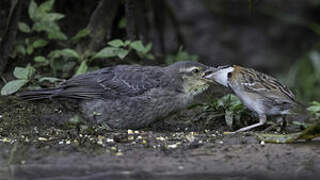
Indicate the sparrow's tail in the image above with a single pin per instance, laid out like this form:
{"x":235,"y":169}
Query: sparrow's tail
{"x":40,"y":94}
{"x":299,"y":108}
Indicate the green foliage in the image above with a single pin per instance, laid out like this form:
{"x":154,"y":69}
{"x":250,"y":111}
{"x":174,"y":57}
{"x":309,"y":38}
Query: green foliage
{"x":48,"y":49}
{"x":81,"y":34}
{"x":120,"y":49}
{"x":182,"y":55}
{"x":122,"y":23}
{"x":44,"y":20}
{"x":23,"y":75}
{"x":315,"y":109}
{"x":304,"y":76}
{"x":232,"y":108}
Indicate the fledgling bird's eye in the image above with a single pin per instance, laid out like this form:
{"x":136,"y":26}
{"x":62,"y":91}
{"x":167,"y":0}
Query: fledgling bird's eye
{"x":195,"y":70}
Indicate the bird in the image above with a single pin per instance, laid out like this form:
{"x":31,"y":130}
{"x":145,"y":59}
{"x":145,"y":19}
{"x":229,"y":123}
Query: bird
{"x":259,"y":92}
{"x":130,"y":96}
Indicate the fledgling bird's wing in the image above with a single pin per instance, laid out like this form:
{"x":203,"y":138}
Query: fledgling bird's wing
{"x":107,"y":83}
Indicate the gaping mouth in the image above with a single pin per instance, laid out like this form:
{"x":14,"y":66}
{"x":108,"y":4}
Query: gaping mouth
{"x":208,"y":74}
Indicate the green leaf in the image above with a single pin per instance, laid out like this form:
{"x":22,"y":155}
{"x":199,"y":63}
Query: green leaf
{"x":53,"y":17}
{"x":54,"y":54}
{"x":39,"y":43}
{"x":57,"y":35}
{"x":315,"y":107}
{"x":122,"y":53}
{"x":81,"y":34}
{"x":70,"y":53}
{"x":29,"y":50}
{"x":122,"y":23}
{"x":107,"y":52}
{"x":46,"y":6}
{"x":51,"y":28}
{"x":21,"y":73}
{"x":147,"y":48}
{"x":21,"y":49}
{"x":150,"y":56}
{"x":23,"y":27}
{"x":50,"y":79}
{"x":13,"y":86}
{"x":127,"y":42}
{"x":83,"y":68}
{"x":138,"y":46}
{"x":32,"y":9}
{"x":31,"y":70}
{"x":40,"y":59}
{"x":116,"y":43}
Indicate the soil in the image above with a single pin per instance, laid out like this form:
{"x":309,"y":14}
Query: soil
{"x":44,"y":141}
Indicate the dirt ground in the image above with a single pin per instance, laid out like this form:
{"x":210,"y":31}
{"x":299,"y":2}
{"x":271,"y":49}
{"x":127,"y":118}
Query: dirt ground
{"x":39,"y":141}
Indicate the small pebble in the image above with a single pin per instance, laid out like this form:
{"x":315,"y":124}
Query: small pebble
{"x":119,"y":154}
{"x":173,"y":146}
{"x":130,"y":131}
{"x":131,"y":138}
{"x":144,"y":141}
{"x":160,"y":138}
{"x":110,"y":140}
{"x":42,"y":139}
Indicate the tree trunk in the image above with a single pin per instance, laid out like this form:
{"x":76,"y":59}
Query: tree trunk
{"x":100,"y":24}
{"x":136,"y":20}
{"x":9,"y":36}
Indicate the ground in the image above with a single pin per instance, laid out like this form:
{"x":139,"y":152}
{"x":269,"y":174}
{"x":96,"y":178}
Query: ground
{"x":38,"y":141}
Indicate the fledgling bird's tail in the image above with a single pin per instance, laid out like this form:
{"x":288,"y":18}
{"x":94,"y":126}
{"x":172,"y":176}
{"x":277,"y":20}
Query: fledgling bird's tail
{"x":40,"y":94}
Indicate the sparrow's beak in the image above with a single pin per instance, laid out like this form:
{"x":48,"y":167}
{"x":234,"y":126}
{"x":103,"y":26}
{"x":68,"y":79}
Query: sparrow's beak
{"x":209,"y":73}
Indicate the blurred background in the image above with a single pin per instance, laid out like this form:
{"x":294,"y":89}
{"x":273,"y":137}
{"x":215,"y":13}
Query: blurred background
{"x":280,"y":38}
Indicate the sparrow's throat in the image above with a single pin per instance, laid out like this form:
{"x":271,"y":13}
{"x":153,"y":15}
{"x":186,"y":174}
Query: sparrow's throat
{"x":221,"y":76}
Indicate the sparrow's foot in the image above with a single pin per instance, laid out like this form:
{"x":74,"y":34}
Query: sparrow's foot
{"x":262,"y":121}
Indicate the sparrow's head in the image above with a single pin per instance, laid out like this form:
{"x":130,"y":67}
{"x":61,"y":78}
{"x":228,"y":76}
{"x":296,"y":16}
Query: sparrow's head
{"x":220,"y":74}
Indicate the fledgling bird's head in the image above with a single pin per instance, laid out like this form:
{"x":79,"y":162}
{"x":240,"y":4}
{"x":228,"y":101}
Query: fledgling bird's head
{"x":191,"y":75}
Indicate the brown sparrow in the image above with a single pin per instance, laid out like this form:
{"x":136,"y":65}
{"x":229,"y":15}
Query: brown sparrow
{"x":259,"y":92}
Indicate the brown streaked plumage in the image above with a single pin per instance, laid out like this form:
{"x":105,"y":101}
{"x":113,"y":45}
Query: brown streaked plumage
{"x":259,"y":92}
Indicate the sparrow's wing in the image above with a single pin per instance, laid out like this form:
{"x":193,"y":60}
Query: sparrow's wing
{"x":266,"y":86}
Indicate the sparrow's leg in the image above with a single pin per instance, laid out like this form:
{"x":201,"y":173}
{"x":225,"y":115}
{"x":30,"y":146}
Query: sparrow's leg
{"x":262,"y":121}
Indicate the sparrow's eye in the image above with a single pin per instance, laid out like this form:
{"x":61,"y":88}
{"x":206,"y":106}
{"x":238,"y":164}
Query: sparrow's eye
{"x":229,"y":74}
{"x":195,"y":70}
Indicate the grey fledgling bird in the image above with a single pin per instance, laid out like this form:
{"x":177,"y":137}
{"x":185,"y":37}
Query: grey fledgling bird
{"x":259,"y":92}
{"x":130,"y":96}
